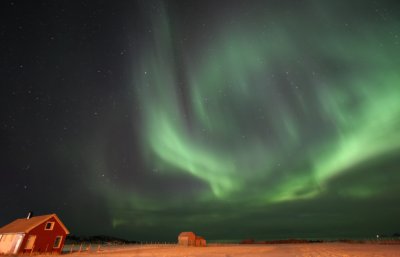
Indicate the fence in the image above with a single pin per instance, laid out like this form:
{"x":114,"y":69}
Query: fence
{"x":92,"y":247}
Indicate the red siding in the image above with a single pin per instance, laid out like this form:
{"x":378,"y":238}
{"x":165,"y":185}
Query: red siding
{"x":45,"y":238}
{"x":190,"y":236}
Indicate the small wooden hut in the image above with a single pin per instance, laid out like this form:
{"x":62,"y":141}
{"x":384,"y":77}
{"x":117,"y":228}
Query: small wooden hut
{"x":200,"y":241}
{"x":190,"y":239}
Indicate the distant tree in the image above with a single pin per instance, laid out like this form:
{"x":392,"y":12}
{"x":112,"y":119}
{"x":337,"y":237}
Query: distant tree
{"x":248,"y":241}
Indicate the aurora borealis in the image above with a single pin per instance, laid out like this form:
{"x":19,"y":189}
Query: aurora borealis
{"x":234,"y":119}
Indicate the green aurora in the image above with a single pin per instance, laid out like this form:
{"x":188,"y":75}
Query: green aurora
{"x":273,"y":116}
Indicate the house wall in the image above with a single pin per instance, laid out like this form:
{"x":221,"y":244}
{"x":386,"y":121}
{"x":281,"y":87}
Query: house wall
{"x":44,"y":242}
{"x":183,"y":240}
{"x":186,"y":240}
{"x":9,"y":243}
{"x":201,"y":242}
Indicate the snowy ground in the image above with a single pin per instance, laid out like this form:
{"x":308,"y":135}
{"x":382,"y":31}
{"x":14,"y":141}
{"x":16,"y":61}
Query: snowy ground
{"x":279,"y":250}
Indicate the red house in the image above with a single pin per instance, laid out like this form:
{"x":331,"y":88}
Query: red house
{"x":187,"y":238}
{"x":191,"y":239}
{"x":40,"y":234}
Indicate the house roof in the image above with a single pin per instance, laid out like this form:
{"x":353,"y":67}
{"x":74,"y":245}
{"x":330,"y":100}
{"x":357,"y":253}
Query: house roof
{"x":25,"y":225}
{"x":187,"y":234}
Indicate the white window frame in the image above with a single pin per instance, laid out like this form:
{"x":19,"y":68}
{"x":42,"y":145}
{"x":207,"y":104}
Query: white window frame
{"x":59,"y":242}
{"x":51,"y":226}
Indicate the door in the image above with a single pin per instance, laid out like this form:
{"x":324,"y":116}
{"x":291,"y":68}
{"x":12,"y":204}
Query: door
{"x":30,"y":243}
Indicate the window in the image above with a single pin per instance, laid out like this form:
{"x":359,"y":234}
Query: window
{"x":49,"y":226}
{"x":30,"y":242}
{"x":57,"y":242}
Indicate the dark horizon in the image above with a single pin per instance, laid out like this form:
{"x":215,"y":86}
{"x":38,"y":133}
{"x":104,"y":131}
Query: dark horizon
{"x":249,"y":240}
{"x":234,"y":119}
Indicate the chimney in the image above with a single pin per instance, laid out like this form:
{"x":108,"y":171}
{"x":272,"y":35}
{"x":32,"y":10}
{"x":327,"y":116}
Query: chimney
{"x":30,"y":214}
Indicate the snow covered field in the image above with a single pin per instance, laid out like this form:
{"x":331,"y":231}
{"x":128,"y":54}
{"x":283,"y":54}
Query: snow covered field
{"x":279,"y":250}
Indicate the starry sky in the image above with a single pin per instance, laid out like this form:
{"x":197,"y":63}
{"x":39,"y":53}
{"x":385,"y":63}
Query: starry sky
{"x":234,"y":119}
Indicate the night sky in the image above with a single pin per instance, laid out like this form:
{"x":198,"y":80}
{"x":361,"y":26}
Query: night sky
{"x":234,"y":119}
